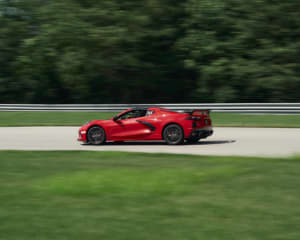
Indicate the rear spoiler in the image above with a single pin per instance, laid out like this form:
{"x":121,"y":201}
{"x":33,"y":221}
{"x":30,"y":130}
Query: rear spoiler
{"x":202,"y":111}
{"x":192,"y":111}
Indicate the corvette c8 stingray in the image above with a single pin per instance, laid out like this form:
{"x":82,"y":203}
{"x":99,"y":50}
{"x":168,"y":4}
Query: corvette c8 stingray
{"x":154,"y":123}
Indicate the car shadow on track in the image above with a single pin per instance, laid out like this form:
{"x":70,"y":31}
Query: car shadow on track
{"x":212,"y":142}
{"x":151,"y":143}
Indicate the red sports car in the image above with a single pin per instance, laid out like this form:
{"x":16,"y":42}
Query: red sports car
{"x":155,"y":123}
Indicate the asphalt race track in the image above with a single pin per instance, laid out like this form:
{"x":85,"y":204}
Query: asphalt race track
{"x":275,"y":142}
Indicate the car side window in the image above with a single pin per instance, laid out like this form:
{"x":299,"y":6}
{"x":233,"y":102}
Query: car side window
{"x":149,"y":113}
{"x":133,"y":114}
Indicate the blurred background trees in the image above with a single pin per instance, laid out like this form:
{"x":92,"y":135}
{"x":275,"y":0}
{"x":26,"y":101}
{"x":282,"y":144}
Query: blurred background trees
{"x":149,"y":51}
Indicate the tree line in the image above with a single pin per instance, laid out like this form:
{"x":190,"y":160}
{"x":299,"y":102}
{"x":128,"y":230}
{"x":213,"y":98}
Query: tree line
{"x":149,"y":51}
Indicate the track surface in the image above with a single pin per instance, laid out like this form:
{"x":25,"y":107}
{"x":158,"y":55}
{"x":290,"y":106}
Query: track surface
{"x":225,"y":141}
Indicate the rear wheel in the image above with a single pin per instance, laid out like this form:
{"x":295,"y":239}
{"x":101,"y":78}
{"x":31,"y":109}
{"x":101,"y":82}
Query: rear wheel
{"x":173,"y":134}
{"x":96,"y":135}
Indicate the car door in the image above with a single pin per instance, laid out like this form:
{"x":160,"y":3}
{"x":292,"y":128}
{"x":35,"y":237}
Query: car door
{"x":130,"y":129}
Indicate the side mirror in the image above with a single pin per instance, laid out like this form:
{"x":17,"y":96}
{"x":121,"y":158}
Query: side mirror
{"x":115,"y":118}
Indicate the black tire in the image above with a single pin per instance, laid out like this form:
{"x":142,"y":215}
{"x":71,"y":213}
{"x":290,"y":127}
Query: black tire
{"x":96,"y":135}
{"x":193,"y":140}
{"x":173,"y":134}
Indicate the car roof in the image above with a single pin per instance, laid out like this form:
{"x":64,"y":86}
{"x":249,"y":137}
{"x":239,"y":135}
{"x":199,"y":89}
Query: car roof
{"x":139,"y":108}
{"x":146,"y":108}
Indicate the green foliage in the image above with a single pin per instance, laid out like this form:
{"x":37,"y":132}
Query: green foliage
{"x":114,"y":51}
{"x":244,"y":51}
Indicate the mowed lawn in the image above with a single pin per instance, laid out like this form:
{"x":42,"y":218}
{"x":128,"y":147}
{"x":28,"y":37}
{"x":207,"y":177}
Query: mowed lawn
{"x":78,"y":118}
{"x":106,"y":195}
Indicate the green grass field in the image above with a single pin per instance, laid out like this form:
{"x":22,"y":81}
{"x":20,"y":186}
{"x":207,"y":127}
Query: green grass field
{"x":105,"y":195}
{"x":78,"y":118}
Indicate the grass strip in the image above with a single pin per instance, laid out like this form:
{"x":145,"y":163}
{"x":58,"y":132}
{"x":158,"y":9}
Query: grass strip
{"x":78,"y":118}
{"x":116,"y":195}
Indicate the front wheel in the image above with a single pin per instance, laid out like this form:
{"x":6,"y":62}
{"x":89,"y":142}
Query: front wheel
{"x":96,"y":135}
{"x":173,"y":134}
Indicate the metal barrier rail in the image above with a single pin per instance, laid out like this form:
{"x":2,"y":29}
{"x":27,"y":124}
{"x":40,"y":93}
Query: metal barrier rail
{"x":278,"y":108}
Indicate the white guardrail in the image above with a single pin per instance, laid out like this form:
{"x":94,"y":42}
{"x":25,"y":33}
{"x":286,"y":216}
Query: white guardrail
{"x":264,"y":108}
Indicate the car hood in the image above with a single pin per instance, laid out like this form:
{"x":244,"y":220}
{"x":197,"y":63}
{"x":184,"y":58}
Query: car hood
{"x":95,"y":122}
